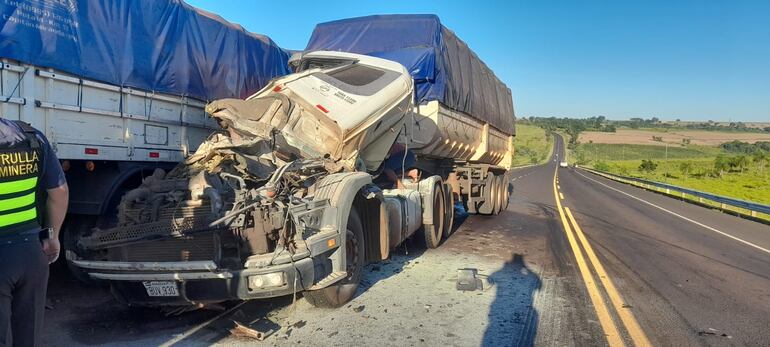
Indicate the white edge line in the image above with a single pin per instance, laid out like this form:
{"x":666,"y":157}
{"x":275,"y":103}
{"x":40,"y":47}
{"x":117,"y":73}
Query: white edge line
{"x":680,"y":216}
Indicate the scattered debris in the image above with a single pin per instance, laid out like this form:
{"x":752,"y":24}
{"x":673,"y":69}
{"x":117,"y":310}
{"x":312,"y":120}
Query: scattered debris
{"x":241,"y":330}
{"x":467,"y":281}
{"x":359,"y":308}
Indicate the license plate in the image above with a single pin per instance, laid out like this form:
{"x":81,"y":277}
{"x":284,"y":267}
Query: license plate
{"x":161,"y":288}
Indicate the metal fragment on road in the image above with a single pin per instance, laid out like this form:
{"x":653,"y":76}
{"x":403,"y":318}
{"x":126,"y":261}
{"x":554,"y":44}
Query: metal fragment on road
{"x":467,"y":281}
{"x":241,"y":330}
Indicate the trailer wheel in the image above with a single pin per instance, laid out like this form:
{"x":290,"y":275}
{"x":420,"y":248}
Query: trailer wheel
{"x":431,"y":233}
{"x":343,"y":291}
{"x":449,"y":208}
{"x":500,"y":201}
{"x":490,"y":196}
{"x":507,"y":188}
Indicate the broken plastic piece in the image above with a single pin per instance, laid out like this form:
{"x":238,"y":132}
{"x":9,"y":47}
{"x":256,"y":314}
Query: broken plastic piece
{"x":467,"y":281}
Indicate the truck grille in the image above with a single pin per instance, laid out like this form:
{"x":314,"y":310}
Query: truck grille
{"x":203,"y":246}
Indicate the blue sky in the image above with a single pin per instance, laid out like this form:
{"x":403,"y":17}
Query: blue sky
{"x":693,"y":60}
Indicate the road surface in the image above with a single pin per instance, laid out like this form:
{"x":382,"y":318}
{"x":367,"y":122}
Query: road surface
{"x":575,"y":260}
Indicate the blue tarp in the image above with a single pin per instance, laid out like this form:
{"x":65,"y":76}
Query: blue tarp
{"x":442,"y":65}
{"x":157,"y":45}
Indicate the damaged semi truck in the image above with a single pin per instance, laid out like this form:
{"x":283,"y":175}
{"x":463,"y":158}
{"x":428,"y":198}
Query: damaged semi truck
{"x":289,"y":197}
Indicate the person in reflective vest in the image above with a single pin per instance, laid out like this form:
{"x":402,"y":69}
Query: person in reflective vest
{"x":33,"y":203}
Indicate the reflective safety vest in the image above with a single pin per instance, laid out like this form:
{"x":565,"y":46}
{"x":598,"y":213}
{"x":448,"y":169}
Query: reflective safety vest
{"x":19,"y":175}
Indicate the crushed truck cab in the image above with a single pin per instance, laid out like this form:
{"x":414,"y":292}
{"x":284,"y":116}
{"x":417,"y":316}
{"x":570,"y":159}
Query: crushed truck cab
{"x":264,"y":207}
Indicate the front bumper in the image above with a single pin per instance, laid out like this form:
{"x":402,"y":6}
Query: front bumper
{"x":198,"y":281}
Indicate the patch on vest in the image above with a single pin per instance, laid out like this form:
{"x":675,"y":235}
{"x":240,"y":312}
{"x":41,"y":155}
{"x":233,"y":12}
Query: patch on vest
{"x":18,"y":163}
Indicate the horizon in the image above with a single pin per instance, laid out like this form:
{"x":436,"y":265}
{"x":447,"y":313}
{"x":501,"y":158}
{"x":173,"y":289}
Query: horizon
{"x":689,"y":60}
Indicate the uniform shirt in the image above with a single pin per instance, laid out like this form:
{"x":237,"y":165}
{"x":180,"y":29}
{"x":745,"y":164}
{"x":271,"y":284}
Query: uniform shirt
{"x":51,"y":174}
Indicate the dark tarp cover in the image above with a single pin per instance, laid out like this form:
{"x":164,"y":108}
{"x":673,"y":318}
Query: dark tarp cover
{"x":442,"y":65}
{"x":156,"y":45}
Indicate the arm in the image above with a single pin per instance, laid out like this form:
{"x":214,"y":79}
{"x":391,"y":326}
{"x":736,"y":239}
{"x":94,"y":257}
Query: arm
{"x":56,"y":210}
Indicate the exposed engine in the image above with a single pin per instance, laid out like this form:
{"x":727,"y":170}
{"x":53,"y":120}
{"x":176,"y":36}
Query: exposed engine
{"x":228,"y":201}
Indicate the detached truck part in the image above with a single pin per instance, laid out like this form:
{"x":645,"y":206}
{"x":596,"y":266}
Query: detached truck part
{"x":117,"y":93}
{"x":284,"y":199}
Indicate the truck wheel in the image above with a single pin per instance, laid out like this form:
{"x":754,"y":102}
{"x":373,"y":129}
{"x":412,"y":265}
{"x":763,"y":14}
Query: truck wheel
{"x":70,"y":234}
{"x":490,"y":196}
{"x":500,"y":202}
{"x":507,"y":187}
{"x":343,"y":291}
{"x":431,"y":233}
{"x":449,"y":214}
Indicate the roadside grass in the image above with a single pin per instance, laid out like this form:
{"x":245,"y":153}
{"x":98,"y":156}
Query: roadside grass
{"x":532,"y":145}
{"x":694,"y":199}
{"x":751,"y":184}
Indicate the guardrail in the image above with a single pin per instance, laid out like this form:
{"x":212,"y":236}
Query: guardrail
{"x":752,"y":207}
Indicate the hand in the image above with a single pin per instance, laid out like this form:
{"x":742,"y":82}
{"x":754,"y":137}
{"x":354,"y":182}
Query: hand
{"x":51,"y":248}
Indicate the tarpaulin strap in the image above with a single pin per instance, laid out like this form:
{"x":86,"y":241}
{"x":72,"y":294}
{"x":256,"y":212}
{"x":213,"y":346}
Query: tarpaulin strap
{"x":148,"y":111}
{"x":182,"y":108}
{"x":120,"y":103}
{"x":18,"y":83}
{"x":80,"y":95}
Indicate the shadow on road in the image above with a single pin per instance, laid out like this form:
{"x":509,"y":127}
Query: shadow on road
{"x":513,"y":319}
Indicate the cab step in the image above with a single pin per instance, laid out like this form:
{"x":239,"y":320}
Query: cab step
{"x":333,"y":277}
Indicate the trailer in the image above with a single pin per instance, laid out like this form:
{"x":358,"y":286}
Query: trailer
{"x":116,"y":94}
{"x":291,"y":197}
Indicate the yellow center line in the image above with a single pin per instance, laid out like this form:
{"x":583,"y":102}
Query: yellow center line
{"x":608,"y":325}
{"x":637,"y":335}
{"x":561,"y":195}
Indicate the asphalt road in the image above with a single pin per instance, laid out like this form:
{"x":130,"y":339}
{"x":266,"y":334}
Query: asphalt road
{"x":623,"y":272}
{"x":690,"y":275}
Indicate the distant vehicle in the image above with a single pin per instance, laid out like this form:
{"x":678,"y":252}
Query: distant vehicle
{"x":563,"y":164}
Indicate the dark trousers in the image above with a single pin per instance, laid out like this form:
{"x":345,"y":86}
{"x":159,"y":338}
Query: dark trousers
{"x":23,"y":284}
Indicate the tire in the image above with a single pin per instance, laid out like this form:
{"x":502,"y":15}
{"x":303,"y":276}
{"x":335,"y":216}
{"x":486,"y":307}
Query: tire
{"x":488,"y":206}
{"x":500,"y":201}
{"x":432,"y":233}
{"x":449,"y":211}
{"x":343,"y":291}
{"x":69,"y":237}
{"x":507,"y":187}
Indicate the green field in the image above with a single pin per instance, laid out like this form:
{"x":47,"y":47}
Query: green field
{"x":750,"y":183}
{"x":532,"y":145}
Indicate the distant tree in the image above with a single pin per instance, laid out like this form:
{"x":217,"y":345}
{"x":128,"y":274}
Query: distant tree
{"x":721,"y":164}
{"x":648,"y":166}
{"x":686,"y":141}
{"x":740,"y":162}
{"x":767,"y":129}
{"x":760,"y":158}
{"x":657,"y":138}
{"x":685,"y":167}
{"x":678,"y":120}
{"x":609,"y":128}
